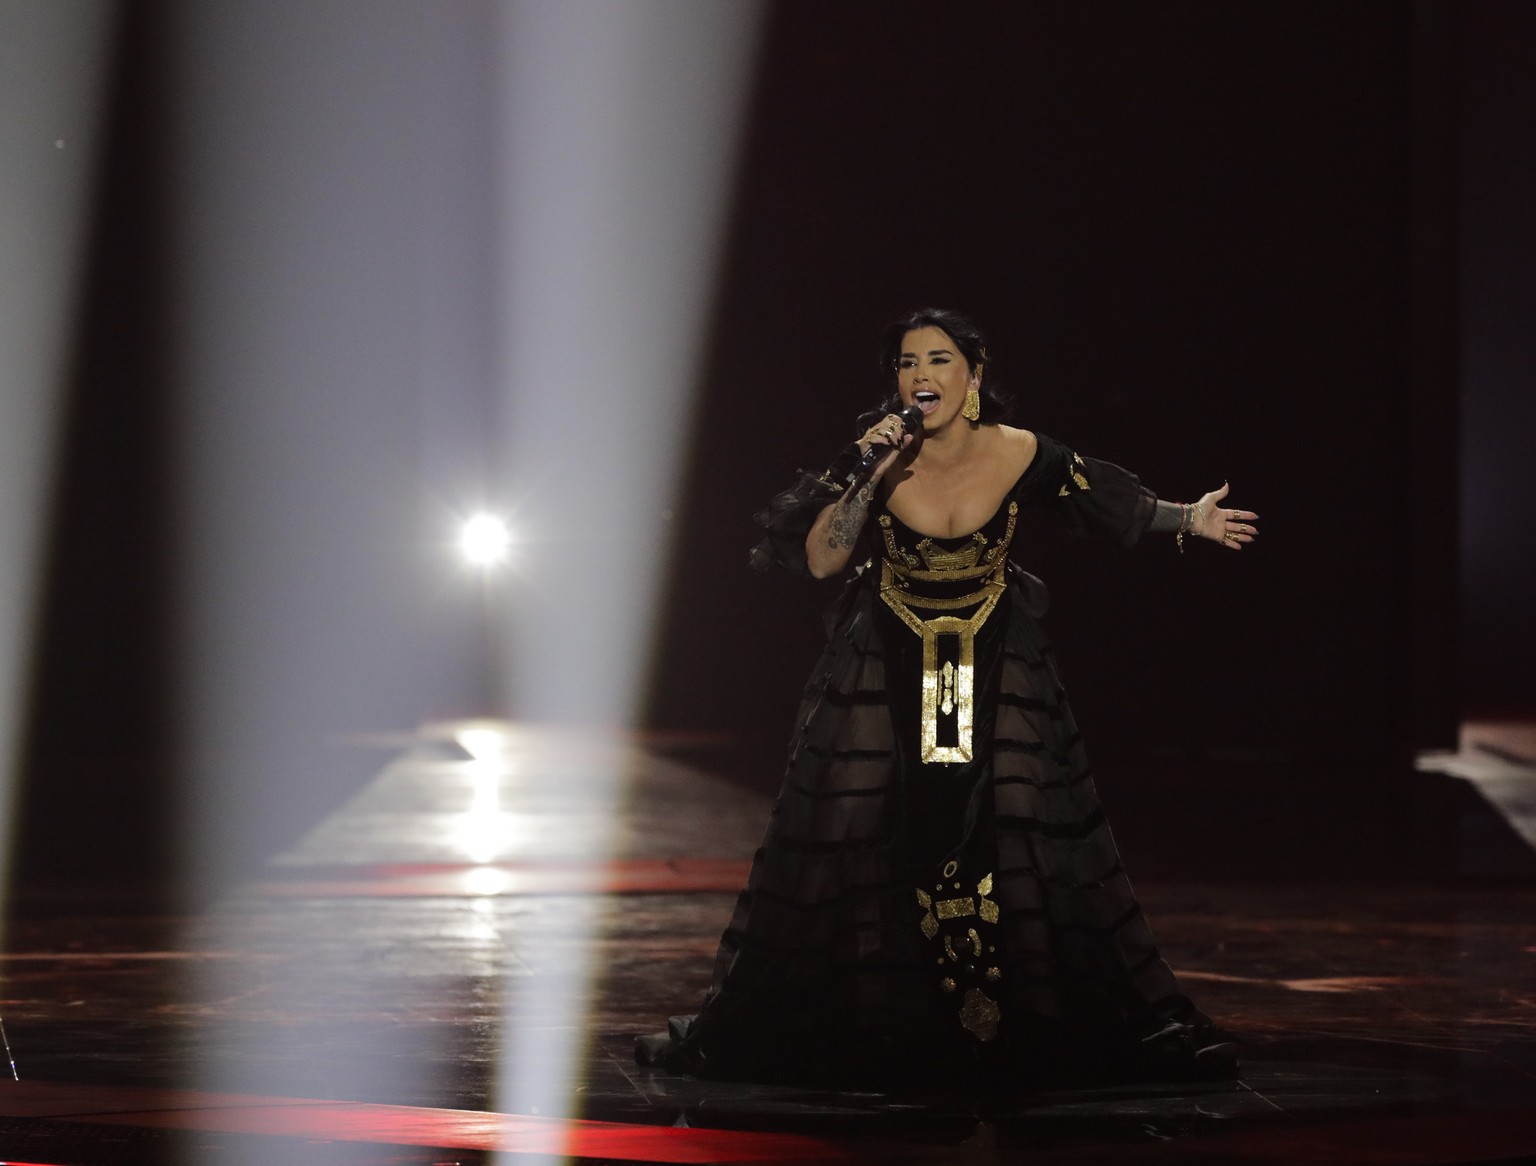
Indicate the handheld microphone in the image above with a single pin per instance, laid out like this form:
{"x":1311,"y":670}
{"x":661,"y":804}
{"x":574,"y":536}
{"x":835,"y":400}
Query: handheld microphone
{"x":911,"y":421}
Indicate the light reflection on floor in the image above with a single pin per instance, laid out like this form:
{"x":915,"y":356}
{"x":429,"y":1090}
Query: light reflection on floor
{"x":374,"y":961}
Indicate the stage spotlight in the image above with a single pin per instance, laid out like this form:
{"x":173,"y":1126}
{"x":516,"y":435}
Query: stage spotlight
{"x":485,"y":541}
{"x":486,"y":881}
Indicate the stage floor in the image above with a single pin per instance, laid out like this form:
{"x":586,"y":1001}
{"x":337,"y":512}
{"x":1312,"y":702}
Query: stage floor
{"x":448,"y":970}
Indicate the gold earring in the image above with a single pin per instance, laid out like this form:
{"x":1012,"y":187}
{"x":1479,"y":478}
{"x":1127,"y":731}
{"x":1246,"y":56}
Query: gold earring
{"x":971,"y":410}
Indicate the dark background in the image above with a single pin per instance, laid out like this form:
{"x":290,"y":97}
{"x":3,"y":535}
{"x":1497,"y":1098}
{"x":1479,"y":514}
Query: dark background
{"x":1206,"y":240}
{"x":1285,"y":244}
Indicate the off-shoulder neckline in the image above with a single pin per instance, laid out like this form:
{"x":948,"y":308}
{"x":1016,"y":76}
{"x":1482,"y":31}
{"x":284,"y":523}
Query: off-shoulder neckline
{"x":1034,"y":461}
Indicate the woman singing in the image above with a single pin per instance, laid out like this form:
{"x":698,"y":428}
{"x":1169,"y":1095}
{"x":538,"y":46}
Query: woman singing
{"x":938,"y":891}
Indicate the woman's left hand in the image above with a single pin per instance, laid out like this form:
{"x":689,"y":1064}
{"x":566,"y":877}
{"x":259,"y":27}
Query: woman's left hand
{"x":1230,"y":528}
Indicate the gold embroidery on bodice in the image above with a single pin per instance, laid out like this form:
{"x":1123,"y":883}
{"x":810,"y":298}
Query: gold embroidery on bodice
{"x":932,"y":564}
{"x":949,"y":641}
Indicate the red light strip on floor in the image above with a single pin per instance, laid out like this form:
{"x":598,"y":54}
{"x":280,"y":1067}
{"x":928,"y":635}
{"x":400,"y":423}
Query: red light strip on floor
{"x":401,"y":1125}
{"x":413,"y":880}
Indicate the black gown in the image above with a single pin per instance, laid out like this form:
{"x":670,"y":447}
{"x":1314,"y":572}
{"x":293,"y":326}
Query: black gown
{"x":938,"y":891}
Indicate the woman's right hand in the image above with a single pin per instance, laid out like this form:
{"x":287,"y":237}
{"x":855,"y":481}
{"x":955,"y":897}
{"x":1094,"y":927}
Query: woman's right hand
{"x":891,"y":431}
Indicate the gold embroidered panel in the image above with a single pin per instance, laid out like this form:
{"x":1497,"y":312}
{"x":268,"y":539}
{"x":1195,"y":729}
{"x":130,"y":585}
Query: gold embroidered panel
{"x":949,"y":641}
{"x":948,"y":710}
{"x":967,"y":954}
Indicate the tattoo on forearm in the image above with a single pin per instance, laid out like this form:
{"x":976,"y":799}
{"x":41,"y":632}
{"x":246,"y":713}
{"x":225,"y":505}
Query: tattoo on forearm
{"x":848,"y":518}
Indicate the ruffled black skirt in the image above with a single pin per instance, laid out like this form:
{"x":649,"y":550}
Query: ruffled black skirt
{"x":904,"y":920}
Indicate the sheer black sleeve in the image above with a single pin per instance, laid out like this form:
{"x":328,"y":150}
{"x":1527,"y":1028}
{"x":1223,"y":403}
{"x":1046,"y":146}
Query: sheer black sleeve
{"x":789,"y":516}
{"x":1095,"y":499}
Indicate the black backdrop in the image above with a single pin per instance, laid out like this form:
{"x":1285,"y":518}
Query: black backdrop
{"x":1201,"y":237}
{"x":1208,"y":240}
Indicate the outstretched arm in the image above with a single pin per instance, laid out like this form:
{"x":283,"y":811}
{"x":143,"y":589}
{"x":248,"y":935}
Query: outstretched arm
{"x":1206,"y":519}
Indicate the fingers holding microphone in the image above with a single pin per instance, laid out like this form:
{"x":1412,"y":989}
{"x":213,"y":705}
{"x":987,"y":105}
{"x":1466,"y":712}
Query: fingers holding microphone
{"x":886,"y":438}
{"x":884,"y":431}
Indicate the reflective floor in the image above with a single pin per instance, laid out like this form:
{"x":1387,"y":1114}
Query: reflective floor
{"x":457,"y":962}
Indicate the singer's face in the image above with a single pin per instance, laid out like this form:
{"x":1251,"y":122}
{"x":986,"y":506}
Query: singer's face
{"x":932,"y":374}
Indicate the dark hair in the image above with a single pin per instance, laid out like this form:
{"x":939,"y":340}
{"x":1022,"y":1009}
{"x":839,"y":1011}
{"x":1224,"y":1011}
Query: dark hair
{"x":968,"y":339}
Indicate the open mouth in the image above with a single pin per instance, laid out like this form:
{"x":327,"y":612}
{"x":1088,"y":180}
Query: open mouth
{"x":926,"y":401}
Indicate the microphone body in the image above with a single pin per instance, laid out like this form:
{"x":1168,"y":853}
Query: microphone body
{"x":911,"y":421}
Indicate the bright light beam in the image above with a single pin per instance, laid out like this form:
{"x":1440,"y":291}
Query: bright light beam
{"x":485,"y":541}
{"x":52,"y":66}
{"x":620,"y":122}
{"x":326,"y":192}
